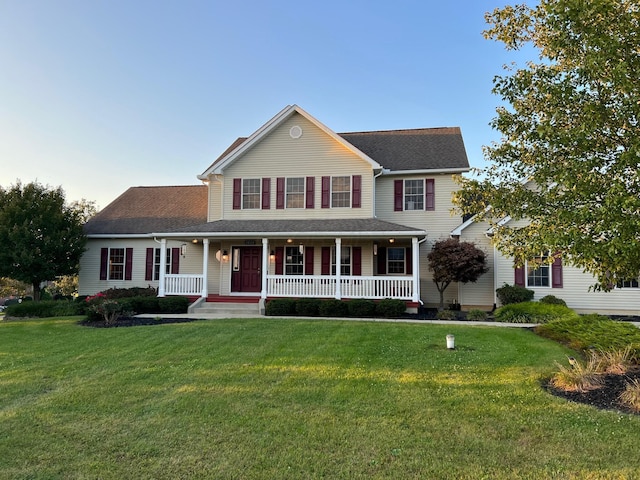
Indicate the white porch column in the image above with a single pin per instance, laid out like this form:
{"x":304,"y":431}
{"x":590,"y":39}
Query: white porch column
{"x":205,"y":268}
{"x":415,"y":260}
{"x":163,"y":267}
{"x":265,"y":267}
{"x":338,"y":260}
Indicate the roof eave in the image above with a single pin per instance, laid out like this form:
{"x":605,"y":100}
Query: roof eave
{"x":298,"y":234}
{"x":427,"y":171}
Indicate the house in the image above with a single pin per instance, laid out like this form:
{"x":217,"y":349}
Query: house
{"x":294,"y":210}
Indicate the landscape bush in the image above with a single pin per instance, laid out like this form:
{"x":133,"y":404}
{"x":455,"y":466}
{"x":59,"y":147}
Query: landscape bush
{"x":532,"y":312}
{"x":553,"y":300}
{"x":116,"y":293}
{"x":307,"y":307}
{"x":476,"y":315}
{"x":631,"y":395}
{"x":172,"y":305}
{"x":333,"y":308}
{"x":281,"y":306}
{"x":508,"y":294}
{"x":390,"y":308}
{"x":45,"y":309}
{"x":361,"y":308}
{"x":446,"y":315}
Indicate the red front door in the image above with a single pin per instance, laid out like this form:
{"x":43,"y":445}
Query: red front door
{"x":247,"y":277}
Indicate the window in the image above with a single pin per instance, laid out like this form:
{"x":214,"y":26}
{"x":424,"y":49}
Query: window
{"x":156,"y":263}
{"x":341,"y":192}
{"x":414,"y":194}
{"x":294,"y":261}
{"x":116,"y":264}
{"x":295,"y":192}
{"x":345,"y":260}
{"x":539,"y":274}
{"x":633,"y":283}
{"x":250,"y":193}
{"x":396,"y":260}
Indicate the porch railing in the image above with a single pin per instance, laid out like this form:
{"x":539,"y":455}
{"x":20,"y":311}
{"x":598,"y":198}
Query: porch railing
{"x":178,"y":284}
{"x":350,"y":286}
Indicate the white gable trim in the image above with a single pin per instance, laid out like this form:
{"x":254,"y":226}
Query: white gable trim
{"x":268,"y":127}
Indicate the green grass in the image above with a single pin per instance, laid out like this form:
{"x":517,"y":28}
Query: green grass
{"x":264,"y":398}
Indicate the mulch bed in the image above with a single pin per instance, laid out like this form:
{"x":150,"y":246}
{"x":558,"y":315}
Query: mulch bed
{"x":605,"y":397}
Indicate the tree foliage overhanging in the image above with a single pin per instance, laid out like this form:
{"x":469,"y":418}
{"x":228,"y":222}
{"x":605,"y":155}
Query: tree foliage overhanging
{"x":570,"y":129}
{"x":41,"y":236}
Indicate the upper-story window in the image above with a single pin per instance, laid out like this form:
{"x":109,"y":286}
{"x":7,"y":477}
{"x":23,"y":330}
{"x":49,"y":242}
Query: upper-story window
{"x":633,"y":283}
{"x":250,"y":193}
{"x":295,"y":192}
{"x":414,"y":194}
{"x":340,"y":192}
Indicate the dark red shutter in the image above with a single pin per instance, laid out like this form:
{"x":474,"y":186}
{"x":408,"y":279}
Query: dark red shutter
{"x":408,"y":257}
{"x":279,"y":260}
{"x":308,"y":260}
{"x":311,"y":184}
{"x":356,"y":260}
{"x":237,"y":193}
{"x":430,"y":201}
{"x":556,"y":273}
{"x":397,"y":195}
{"x":326,"y":261}
{"x":280,"y":192}
{"x":148,"y":264}
{"x":266,"y":193}
{"x":104,"y":263}
{"x":326,"y":192}
{"x":356,"y":193}
{"x":382,"y":260}
{"x":519,"y":276}
{"x":128,"y":263}
{"x":175,"y":261}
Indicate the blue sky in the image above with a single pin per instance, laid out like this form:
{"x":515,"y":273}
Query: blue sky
{"x":97,"y":96}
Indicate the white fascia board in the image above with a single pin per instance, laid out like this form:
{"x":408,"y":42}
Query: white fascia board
{"x":119,"y":235}
{"x":416,"y":233}
{"x":502,"y":222}
{"x":426,"y":171}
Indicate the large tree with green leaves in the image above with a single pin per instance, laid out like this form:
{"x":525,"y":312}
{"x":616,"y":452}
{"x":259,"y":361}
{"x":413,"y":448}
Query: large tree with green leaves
{"x":41,"y":237}
{"x":568,"y":160}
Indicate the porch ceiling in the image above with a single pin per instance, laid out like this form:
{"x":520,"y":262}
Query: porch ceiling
{"x":361,"y":227}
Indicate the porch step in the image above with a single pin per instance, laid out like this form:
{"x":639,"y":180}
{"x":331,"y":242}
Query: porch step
{"x":236,"y":309}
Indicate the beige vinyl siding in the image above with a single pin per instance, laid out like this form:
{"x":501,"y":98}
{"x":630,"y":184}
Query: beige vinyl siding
{"x":314,"y":154}
{"x":215,"y":200}
{"x":480,"y":294}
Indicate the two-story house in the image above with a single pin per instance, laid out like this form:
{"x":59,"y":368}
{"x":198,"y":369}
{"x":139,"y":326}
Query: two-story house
{"x":294,"y":210}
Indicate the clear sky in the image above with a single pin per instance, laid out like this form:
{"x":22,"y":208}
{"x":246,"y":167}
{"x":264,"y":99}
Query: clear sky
{"x":100,"y":95}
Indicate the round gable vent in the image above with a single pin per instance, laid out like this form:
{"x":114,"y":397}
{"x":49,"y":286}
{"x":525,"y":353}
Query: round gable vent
{"x":295,"y":131}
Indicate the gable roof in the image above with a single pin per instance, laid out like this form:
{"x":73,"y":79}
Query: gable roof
{"x":142,"y":210}
{"x":238,"y":148}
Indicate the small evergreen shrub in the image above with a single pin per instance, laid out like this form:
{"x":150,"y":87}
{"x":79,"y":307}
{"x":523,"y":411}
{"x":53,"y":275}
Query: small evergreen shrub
{"x":532,"y":312}
{"x":44,"y":309}
{"x":553,"y":300}
{"x":508,"y":294}
{"x":333,"y":308}
{"x":475,"y":315}
{"x":446,"y":315}
{"x":281,"y":306}
{"x":390,"y":308}
{"x":361,"y":308}
{"x":172,"y":305}
{"x":115,"y":293}
{"x":307,"y":307}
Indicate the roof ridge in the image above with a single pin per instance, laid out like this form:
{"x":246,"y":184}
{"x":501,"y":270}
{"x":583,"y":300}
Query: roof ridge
{"x":454,"y":129}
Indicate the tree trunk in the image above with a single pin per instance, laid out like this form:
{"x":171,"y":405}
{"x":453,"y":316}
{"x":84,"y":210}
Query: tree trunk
{"x":36,"y":291}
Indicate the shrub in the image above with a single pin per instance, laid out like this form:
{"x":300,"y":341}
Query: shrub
{"x":137,"y":305}
{"x":390,"y":308}
{"x":475,"y":315}
{"x":578,"y":377}
{"x":172,"y":305}
{"x":532,"y":312}
{"x":631,"y":395}
{"x":617,"y":362}
{"x":361,"y":308}
{"x":308,"y":307}
{"x":553,"y":300}
{"x":281,"y":306}
{"x":115,"y":293}
{"x":446,"y":315}
{"x":106,"y":309}
{"x":333,"y":308}
{"x":43,"y":309}
{"x":508,"y":294}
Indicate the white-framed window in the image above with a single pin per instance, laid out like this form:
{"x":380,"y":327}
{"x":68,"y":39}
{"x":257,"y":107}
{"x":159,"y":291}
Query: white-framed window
{"x":396,"y":261}
{"x":295,"y":190}
{"x":341,"y":192}
{"x":294,"y":260}
{"x":345,"y":260}
{"x":414,"y":194}
{"x":539,"y":273}
{"x":156,"y":263}
{"x":251,"y":189}
{"x":633,"y":283}
{"x":116,"y":263}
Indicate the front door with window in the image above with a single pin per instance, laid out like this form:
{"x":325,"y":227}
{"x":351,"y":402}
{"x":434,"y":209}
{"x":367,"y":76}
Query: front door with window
{"x":246,"y":275}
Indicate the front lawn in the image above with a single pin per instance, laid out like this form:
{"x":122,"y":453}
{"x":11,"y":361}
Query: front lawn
{"x":296,"y":399}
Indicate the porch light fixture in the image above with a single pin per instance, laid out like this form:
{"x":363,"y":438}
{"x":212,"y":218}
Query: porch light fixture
{"x":225,"y":256}
{"x":301,"y":249}
{"x":183,"y":249}
{"x":391,"y":240}
{"x":194,"y":241}
{"x":272,"y":256}
{"x":289,"y":240}
{"x":375,"y":248}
